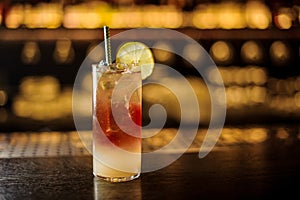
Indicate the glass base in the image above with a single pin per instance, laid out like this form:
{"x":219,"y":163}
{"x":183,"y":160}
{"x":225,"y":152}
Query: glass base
{"x":118,"y":179}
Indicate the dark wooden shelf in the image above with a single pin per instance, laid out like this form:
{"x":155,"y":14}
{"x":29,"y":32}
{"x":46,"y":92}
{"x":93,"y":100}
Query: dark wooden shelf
{"x":24,"y":34}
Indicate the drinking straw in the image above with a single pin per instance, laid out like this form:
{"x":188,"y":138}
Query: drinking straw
{"x":107,"y":45}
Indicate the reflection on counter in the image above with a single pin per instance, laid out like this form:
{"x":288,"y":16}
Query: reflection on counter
{"x":54,"y":144}
{"x":41,"y":144}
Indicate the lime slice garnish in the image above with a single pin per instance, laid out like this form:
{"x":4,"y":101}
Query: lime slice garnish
{"x":137,"y":55}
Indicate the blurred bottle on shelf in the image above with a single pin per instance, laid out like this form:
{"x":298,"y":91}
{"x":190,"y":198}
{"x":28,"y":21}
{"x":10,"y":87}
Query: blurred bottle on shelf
{"x":285,"y":18}
{"x":1,"y":13}
{"x":193,"y":52}
{"x":258,"y":15}
{"x":87,"y":15}
{"x":222,"y":53}
{"x":5,"y":95}
{"x":281,"y":53}
{"x":252,"y":52}
{"x":204,"y":16}
{"x":231,"y":15}
{"x":41,"y":98}
{"x":64,"y":52}
{"x":253,"y":14}
{"x":162,"y":52}
{"x":31,"y":53}
{"x":284,"y":14}
{"x":15,"y":16}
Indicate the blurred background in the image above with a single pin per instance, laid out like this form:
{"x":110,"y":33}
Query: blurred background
{"x":254,"y":43}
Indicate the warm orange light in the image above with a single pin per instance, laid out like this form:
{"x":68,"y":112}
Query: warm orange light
{"x":173,"y":19}
{"x":132,"y":18}
{"x":280,"y":53}
{"x":231,"y":15}
{"x":3,"y":118}
{"x":63,"y":52}
{"x":282,"y":133}
{"x":43,"y":15}
{"x":162,"y":51}
{"x":15,"y":17}
{"x":192,"y":52}
{"x":227,"y":74}
{"x":258,"y":94}
{"x":283,"y":21}
{"x":285,"y":18}
{"x":297,"y":83}
{"x":258,"y":75}
{"x":236,"y":96}
{"x":95,"y":53}
{"x":0,"y":16}
{"x":3,"y":97}
{"x":205,"y":16}
{"x":204,"y":20}
{"x":94,"y":20}
{"x":39,"y":88}
{"x":297,"y":99}
{"x":31,"y":53}
{"x":258,"y":15}
{"x":221,"y":51}
{"x":257,"y":135}
{"x":214,"y":77}
{"x":41,"y":98}
{"x":231,"y":136}
{"x":252,"y":52}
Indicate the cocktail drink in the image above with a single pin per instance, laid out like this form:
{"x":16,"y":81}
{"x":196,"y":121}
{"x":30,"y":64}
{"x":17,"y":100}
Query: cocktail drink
{"x":116,"y":123}
{"x":117,"y":112}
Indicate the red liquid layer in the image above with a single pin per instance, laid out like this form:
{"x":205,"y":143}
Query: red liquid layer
{"x":129,"y":140}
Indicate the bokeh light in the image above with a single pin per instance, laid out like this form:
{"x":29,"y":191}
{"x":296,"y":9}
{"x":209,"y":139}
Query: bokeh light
{"x":3,"y":97}
{"x":221,"y":52}
{"x":258,"y":15}
{"x":63,"y":52}
{"x":252,"y":52}
{"x":162,"y":51}
{"x":31,"y":53}
{"x":280,"y":53}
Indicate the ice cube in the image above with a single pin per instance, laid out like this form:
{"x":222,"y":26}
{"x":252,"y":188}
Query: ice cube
{"x":102,"y":67}
{"x":105,"y":85}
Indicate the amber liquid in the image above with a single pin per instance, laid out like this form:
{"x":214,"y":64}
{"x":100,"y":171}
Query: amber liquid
{"x":127,"y":108}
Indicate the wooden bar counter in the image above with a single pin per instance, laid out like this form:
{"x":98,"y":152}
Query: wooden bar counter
{"x":270,"y":169}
